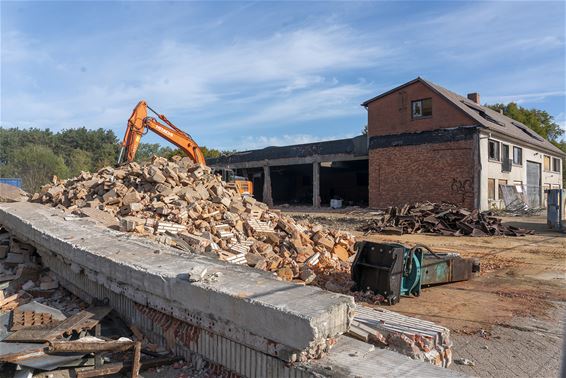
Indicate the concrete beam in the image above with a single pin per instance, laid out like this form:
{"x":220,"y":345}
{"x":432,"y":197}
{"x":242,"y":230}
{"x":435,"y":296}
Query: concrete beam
{"x":250,"y":307}
{"x":293,"y":161}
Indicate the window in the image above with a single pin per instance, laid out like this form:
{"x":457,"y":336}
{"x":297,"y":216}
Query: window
{"x":501,"y":182}
{"x":493,"y":150}
{"x":555,"y":165}
{"x":422,"y":108}
{"x":517,"y":156}
{"x":546,"y":163}
{"x":491,"y":189}
{"x":506,"y":162}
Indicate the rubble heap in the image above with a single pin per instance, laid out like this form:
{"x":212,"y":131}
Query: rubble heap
{"x":445,"y":219}
{"x":185,"y":205}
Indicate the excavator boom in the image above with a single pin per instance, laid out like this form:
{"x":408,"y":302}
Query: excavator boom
{"x":138,"y":125}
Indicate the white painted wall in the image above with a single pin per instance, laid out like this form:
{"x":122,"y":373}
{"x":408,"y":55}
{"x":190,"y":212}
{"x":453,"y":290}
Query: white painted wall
{"x":492,"y":169}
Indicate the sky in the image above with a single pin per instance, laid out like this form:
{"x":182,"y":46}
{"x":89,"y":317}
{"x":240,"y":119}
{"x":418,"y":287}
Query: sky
{"x":244,"y":75}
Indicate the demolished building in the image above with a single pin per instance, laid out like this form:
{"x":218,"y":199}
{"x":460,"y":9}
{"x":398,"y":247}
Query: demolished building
{"x":424,"y":143}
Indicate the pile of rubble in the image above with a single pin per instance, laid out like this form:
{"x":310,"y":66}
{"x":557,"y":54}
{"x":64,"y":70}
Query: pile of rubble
{"x":445,"y":219}
{"x":185,"y":205}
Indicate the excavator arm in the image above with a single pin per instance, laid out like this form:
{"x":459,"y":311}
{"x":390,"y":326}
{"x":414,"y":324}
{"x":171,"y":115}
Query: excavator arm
{"x":138,"y":125}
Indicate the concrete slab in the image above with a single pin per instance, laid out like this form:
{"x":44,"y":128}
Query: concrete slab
{"x":243,"y":304}
{"x":354,"y":358}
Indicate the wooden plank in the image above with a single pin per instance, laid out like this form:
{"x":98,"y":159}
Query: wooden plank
{"x":136,"y":360}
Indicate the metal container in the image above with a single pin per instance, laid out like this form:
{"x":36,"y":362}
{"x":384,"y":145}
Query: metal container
{"x":17,"y":182}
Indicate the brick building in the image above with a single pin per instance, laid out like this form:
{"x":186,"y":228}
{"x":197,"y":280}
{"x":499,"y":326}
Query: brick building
{"x":427,"y":143}
{"x":424,"y":143}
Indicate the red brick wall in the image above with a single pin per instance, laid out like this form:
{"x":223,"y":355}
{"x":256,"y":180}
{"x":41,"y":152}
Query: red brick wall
{"x":392,"y":114}
{"x":428,"y":172}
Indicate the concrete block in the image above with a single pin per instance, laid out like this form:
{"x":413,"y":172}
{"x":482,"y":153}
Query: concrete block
{"x":248,"y":306}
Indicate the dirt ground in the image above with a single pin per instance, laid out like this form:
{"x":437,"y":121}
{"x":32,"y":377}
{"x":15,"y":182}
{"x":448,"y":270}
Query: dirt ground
{"x":517,"y":303}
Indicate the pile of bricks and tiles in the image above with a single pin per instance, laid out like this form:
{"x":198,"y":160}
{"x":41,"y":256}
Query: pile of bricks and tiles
{"x":445,"y":219}
{"x":46,"y":329}
{"x":185,"y":205}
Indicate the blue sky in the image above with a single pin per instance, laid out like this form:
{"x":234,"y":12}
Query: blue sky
{"x":240,"y":75}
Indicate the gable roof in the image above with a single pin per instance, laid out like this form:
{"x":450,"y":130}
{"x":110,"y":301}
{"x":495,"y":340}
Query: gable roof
{"x":484,"y":116}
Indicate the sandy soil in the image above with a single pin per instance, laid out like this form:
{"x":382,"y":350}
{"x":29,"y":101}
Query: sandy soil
{"x":521,"y":276}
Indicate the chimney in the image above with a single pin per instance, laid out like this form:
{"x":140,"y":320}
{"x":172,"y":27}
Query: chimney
{"x":475,"y":97}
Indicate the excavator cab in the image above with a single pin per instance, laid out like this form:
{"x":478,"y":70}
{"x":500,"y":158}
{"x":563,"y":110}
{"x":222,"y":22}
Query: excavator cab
{"x":241,"y":184}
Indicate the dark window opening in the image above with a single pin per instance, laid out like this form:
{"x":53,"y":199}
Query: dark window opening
{"x":527,"y":131}
{"x":422,"y":108}
{"x":506,"y":162}
{"x":493,"y":150}
{"x":555,"y":165}
{"x":517,"y":155}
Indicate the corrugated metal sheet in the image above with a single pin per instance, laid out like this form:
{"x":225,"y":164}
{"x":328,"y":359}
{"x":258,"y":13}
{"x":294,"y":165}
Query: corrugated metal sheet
{"x":209,"y":346}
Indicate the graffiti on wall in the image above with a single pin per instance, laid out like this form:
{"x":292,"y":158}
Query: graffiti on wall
{"x":462,"y":188}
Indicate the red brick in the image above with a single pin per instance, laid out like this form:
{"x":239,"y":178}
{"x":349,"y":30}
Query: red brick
{"x":428,"y":172}
{"x":392,"y":115}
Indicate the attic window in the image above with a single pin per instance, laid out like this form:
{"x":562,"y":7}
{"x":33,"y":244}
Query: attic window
{"x":421,"y":108}
{"x":526,"y":130}
{"x":482,"y":113}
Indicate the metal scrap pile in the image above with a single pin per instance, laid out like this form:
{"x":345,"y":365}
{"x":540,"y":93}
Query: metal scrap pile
{"x":445,"y":219}
{"x":186,"y":206}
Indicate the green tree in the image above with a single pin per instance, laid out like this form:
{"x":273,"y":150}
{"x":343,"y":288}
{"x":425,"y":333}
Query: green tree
{"x":36,"y":165}
{"x":79,"y":160}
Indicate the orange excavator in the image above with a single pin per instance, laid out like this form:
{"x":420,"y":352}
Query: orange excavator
{"x":140,"y":123}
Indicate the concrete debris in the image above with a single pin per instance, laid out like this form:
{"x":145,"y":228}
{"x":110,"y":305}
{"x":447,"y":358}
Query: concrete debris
{"x":10,"y":193}
{"x":464,"y":361}
{"x":435,"y":218}
{"x":416,"y":338}
{"x":185,"y":205}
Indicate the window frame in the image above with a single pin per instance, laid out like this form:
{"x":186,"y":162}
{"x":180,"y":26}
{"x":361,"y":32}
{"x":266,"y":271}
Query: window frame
{"x":422,"y":116}
{"x":553,"y":168}
{"x":544,"y":159}
{"x":520,"y":149}
{"x":491,"y":188}
{"x":498,"y":144}
{"x":499,"y":191}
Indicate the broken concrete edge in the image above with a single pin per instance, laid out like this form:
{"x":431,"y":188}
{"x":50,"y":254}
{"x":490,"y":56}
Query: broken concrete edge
{"x":243,"y":304}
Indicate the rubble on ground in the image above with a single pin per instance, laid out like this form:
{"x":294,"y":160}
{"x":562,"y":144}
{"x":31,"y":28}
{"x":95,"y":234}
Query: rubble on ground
{"x":10,"y":193}
{"x":445,"y":219}
{"x":44,"y":329}
{"x":185,"y":205}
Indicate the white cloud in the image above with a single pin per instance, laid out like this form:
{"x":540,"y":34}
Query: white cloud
{"x":185,"y":77}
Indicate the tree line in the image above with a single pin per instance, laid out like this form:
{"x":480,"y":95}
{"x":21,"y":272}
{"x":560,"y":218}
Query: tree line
{"x":36,"y":155}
